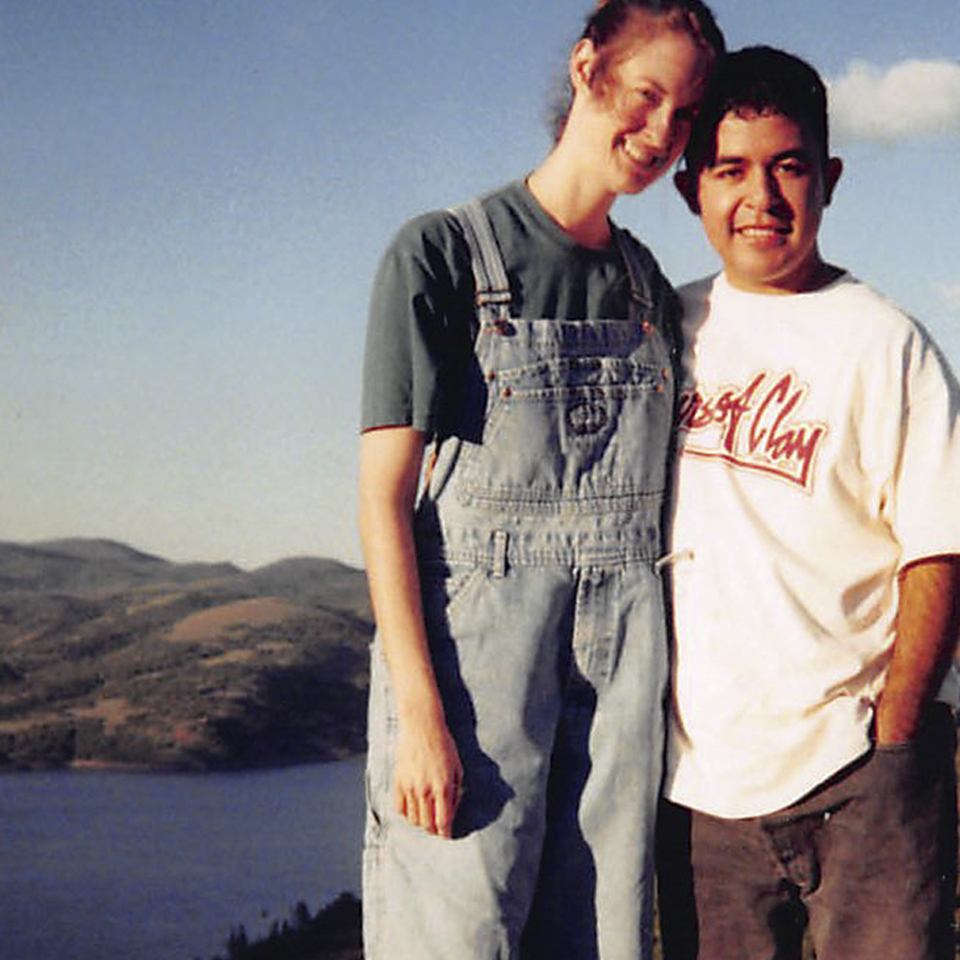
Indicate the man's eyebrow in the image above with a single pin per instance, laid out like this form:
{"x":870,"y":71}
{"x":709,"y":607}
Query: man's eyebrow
{"x":720,"y":161}
{"x":798,"y":153}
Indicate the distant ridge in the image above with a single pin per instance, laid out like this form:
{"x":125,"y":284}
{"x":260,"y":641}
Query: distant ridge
{"x":81,"y":565}
{"x":94,"y":549}
{"x":298,"y":576}
{"x":109,"y":655}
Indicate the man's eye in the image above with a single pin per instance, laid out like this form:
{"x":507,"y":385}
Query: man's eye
{"x":793,"y":168}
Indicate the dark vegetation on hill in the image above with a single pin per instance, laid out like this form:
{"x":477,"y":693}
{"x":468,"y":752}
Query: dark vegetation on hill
{"x":332,"y":934}
{"x":112,"y":656}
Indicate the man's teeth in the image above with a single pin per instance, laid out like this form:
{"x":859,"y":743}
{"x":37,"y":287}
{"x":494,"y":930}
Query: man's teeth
{"x":761,"y":231}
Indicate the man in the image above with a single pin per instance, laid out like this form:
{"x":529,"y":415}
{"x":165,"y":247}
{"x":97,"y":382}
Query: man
{"x":816,"y":577}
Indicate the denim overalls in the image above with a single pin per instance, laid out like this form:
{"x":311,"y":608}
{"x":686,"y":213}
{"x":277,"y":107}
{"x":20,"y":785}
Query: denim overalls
{"x":538,"y":537}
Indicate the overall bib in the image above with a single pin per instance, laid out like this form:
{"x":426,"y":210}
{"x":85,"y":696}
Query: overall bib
{"x":538,"y":536}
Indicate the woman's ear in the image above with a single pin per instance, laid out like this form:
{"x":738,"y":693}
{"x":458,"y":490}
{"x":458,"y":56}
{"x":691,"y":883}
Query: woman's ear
{"x":686,"y":185}
{"x":584,"y":63}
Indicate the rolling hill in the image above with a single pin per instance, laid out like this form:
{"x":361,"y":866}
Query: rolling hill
{"x":112,"y":656}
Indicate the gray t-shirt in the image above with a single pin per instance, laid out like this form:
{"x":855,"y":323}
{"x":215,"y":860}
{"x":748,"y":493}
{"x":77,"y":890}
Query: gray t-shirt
{"x":422,"y":321}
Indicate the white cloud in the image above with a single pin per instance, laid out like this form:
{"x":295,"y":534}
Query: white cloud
{"x":910,"y":98}
{"x":950,"y":293}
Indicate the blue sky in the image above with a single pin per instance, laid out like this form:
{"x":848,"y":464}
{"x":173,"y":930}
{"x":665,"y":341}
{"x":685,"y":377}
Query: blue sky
{"x":195,"y":194}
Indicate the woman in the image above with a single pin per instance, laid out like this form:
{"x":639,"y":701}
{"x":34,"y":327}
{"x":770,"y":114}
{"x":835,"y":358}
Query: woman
{"x":518,"y":671}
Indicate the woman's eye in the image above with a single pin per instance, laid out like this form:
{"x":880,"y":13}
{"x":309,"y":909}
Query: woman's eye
{"x":643,"y":96}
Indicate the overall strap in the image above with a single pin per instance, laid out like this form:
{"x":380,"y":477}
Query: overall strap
{"x":649,"y":290}
{"x":489,"y":273}
{"x":640,"y":266}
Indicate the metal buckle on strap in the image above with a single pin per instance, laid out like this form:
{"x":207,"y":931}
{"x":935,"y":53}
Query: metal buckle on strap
{"x":490,"y":297}
{"x":500,"y":541}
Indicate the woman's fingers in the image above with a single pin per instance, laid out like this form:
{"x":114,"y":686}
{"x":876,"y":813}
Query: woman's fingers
{"x":444,"y":810}
{"x":431,"y":809}
{"x":412,"y":805}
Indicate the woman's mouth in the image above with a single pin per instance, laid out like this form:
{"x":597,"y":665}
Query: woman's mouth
{"x":643,"y":157}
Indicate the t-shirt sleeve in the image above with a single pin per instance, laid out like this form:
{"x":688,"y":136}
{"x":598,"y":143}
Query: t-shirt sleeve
{"x":924,"y":505}
{"x":418,"y":326}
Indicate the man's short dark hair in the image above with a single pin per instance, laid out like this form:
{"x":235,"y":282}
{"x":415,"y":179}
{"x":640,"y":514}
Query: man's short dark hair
{"x":761,"y":80}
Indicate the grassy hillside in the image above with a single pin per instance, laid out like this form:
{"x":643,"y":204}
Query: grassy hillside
{"x":112,"y":656}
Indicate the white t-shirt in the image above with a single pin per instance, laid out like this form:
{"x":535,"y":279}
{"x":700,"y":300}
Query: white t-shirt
{"x":820,"y":453}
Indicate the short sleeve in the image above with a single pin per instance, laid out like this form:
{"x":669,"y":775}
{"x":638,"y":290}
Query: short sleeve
{"x":418,"y":326}
{"x":924,"y":504}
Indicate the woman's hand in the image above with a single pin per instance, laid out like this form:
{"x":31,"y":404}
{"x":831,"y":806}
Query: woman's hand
{"x":428,"y":776}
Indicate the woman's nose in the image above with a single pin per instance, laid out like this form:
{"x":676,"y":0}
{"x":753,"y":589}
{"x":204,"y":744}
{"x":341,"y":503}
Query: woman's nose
{"x":660,"y":127}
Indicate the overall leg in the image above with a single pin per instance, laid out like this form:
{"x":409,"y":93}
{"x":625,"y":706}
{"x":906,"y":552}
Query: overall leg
{"x":429,"y":898}
{"x":888,"y":854}
{"x":595,"y":891}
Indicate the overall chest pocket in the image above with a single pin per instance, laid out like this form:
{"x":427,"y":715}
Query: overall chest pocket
{"x":572,"y":434}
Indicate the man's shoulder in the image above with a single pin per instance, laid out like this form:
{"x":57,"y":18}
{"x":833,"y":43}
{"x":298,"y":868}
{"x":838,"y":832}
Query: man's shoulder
{"x":700,"y":287}
{"x":847,"y":286}
{"x":881,"y":319}
{"x":695,"y":295}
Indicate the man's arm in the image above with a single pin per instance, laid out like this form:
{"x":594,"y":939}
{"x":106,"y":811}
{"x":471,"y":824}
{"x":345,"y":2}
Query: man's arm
{"x":928,"y":623}
{"x":428,"y":774}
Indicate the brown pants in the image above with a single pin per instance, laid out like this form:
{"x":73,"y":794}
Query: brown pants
{"x":868,"y":860}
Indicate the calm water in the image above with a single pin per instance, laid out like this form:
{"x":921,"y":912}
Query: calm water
{"x":139,"y":866}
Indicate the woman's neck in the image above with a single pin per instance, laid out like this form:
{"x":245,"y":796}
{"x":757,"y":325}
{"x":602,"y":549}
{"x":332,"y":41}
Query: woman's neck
{"x":572,"y":199}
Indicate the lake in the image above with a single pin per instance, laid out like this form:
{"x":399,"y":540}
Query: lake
{"x":106,"y":865}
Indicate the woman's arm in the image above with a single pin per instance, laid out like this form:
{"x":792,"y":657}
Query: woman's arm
{"x":428,"y":775}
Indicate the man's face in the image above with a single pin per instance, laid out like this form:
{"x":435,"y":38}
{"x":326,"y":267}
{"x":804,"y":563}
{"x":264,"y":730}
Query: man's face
{"x":761,"y":203}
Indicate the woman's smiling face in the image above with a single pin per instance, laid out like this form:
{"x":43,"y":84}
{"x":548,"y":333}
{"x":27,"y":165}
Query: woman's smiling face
{"x":640,"y":100}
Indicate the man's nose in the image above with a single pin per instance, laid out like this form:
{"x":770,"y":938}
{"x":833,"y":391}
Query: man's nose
{"x":762,"y":188}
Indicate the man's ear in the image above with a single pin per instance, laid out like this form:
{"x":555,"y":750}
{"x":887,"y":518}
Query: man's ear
{"x":686,"y":184}
{"x":830,"y":177}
